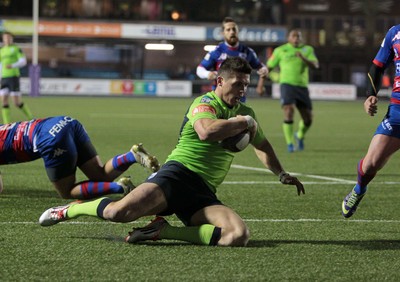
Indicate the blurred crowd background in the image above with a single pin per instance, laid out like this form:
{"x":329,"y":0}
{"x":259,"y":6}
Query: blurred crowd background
{"x":345,"y":34}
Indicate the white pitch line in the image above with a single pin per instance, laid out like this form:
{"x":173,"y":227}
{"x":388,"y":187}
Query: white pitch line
{"x":266,"y":220}
{"x":324,"y":220}
{"x":298,"y":174}
{"x":304,"y":182}
{"x":328,"y":178}
{"x":277,"y":182}
{"x":332,"y":180}
{"x":129,"y":115}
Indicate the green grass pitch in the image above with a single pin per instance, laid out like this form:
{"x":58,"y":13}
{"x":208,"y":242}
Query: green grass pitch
{"x":292,"y":238}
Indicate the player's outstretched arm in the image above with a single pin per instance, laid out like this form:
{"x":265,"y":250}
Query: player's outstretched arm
{"x":267,"y":156}
{"x":286,"y":178}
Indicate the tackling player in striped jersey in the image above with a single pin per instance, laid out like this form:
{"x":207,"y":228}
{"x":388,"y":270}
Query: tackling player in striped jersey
{"x":64,"y":145}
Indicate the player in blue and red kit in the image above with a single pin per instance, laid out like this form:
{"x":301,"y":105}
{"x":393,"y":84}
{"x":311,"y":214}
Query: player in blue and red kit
{"x":231,"y":47}
{"x":64,"y":145}
{"x":386,"y":140}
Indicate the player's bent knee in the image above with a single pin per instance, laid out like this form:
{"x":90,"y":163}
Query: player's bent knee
{"x":112,"y":213}
{"x":243,"y":238}
{"x":238,"y":237}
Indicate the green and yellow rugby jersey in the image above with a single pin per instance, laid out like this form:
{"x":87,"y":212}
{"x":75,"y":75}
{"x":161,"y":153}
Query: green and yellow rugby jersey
{"x":9,"y":55}
{"x":293,"y":70}
{"x":208,"y":158}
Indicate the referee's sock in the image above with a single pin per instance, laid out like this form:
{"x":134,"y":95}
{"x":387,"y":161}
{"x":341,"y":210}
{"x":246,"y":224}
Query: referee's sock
{"x":25,"y":109}
{"x":288,"y":132}
{"x":302,"y":130}
{"x":5,"y":112}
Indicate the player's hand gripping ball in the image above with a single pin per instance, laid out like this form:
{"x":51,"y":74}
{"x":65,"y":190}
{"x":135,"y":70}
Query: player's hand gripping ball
{"x":238,"y":142}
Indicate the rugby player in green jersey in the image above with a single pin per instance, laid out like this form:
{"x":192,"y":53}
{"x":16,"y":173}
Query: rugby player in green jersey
{"x":186,"y":184}
{"x":294,"y":60}
{"x":11,"y":60}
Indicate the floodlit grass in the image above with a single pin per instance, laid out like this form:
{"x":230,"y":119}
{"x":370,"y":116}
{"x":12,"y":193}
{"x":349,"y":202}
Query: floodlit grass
{"x":292,"y":238}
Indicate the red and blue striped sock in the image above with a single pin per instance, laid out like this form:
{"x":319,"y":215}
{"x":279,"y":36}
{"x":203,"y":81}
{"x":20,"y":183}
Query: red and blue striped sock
{"x":124,"y":161}
{"x":90,"y":189}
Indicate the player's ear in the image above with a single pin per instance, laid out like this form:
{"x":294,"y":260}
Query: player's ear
{"x":219,"y":80}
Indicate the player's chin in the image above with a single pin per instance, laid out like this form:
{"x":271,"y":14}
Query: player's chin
{"x":233,"y":40}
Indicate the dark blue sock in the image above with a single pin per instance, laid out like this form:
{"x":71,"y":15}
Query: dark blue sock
{"x":360,"y":189}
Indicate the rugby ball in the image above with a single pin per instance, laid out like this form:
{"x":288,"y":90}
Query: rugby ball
{"x":237,"y":143}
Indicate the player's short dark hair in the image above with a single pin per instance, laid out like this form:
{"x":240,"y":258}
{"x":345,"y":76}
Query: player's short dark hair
{"x":294,"y":29}
{"x":227,"y":20}
{"x":234,"y":65}
{"x":8,"y":33}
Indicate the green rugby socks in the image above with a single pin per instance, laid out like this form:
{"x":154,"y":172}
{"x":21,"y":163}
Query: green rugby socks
{"x":91,"y":208}
{"x":205,"y":234}
{"x":288,"y":132}
{"x":5,"y":111}
{"x":25,"y":109}
{"x":302,"y":130}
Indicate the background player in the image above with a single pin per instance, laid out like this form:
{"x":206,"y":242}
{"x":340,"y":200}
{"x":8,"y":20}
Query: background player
{"x":386,"y":140}
{"x":231,"y":47}
{"x":64,"y":145}
{"x":11,"y":60}
{"x":186,"y":184}
{"x":294,"y":60}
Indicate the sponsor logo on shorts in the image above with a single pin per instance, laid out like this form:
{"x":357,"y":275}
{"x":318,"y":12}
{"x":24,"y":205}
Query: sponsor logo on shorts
{"x":203,"y":109}
{"x":386,"y":125}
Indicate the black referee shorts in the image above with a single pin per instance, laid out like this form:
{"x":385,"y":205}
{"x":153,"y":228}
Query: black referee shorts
{"x":296,"y":95}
